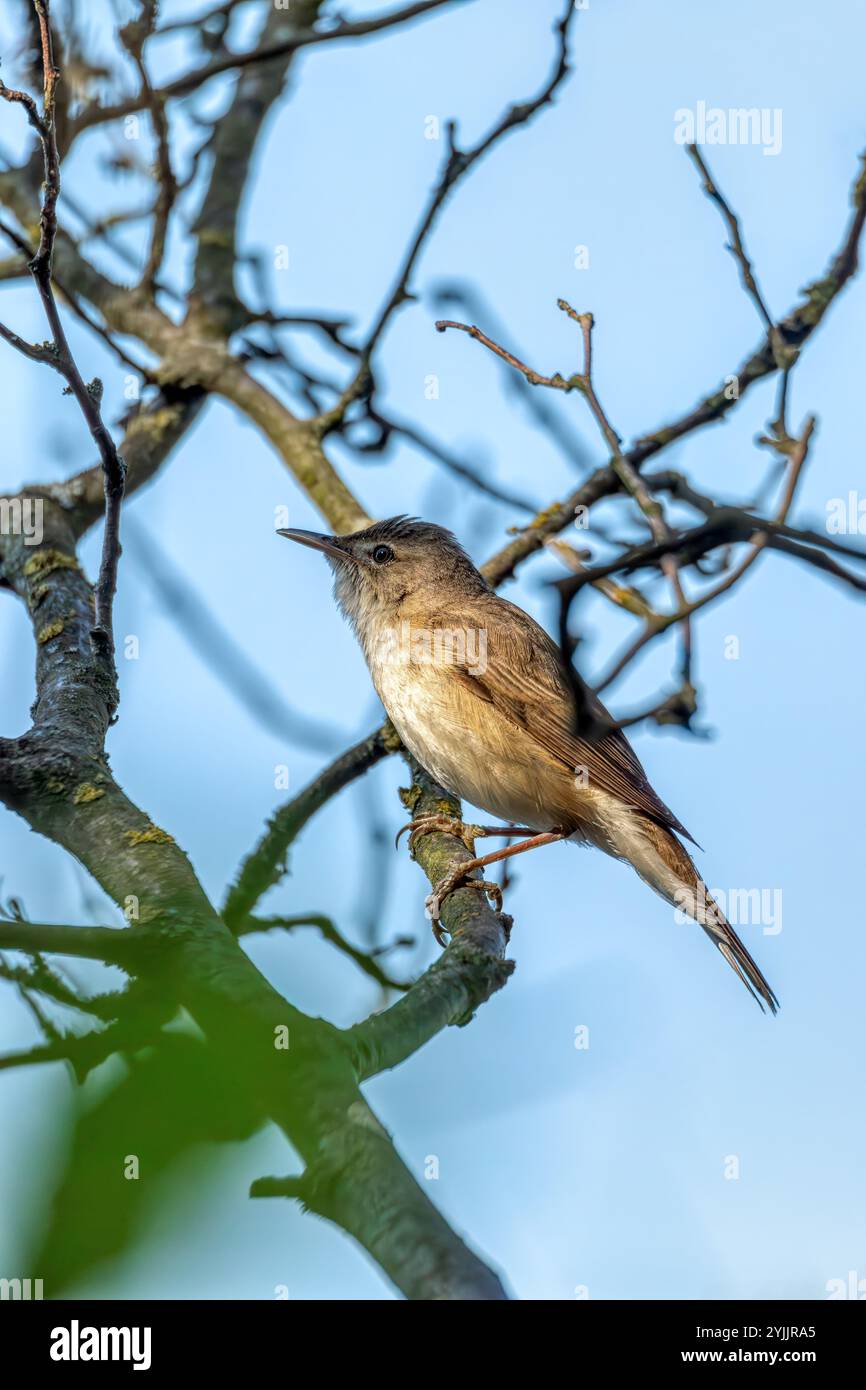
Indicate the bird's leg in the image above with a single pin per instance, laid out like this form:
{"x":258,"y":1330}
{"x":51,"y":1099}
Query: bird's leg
{"x":450,"y":825}
{"x":456,"y":877}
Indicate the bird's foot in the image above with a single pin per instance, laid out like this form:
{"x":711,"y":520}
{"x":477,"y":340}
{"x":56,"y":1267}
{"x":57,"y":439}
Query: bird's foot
{"x":457,"y":878}
{"x":447,"y":825}
{"x":450,"y":825}
{"x":460,"y":875}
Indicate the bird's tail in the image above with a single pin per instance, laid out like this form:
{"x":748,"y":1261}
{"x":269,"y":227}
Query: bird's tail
{"x":666,"y":866}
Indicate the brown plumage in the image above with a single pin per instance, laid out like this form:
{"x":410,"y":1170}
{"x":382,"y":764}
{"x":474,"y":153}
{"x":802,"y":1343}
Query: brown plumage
{"x":479,"y":694}
{"x":716,"y":925}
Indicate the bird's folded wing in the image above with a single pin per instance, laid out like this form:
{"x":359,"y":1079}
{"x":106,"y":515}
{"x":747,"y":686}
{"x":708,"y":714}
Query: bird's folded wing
{"x":525,"y":680}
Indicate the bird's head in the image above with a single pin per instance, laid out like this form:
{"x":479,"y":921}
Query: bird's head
{"x":379,"y":569}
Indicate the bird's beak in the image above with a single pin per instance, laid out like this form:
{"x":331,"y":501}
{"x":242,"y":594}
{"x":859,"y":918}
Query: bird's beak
{"x":329,"y":544}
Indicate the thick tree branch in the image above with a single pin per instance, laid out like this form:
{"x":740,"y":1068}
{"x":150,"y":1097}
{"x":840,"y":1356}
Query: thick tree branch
{"x":119,"y":947}
{"x":469,"y":971}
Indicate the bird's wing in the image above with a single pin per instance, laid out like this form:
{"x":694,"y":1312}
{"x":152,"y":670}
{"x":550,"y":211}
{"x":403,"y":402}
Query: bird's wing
{"x":525,"y":680}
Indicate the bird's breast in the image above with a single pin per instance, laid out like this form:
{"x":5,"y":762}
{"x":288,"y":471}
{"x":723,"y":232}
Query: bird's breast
{"x":471,"y":748}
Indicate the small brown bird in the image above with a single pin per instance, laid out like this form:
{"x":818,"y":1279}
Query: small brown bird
{"x":479,"y":694}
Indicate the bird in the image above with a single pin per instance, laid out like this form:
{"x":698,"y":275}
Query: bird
{"x":481,"y":696}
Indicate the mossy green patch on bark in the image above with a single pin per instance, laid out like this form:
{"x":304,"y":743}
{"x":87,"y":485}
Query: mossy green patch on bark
{"x":45,"y":561}
{"x":150,"y":835}
{"x":85,"y":793}
{"x":45,"y":634}
{"x":409,"y":797}
{"x":661,"y":437}
{"x":391,"y":740}
{"x":155,"y":425}
{"x":213,"y":236}
{"x":147,"y":914}
{"x":543,"y":517}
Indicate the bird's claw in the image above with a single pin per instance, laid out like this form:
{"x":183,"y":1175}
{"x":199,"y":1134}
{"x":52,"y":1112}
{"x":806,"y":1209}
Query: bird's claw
{"x":449,"y":884}
{"x":448,"y":825}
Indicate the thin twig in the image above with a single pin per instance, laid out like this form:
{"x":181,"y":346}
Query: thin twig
{"x":88,"y":395}
{"x":388,"y":427}
{"x":133,"y":36}
{"x":266,"y":864}
{"x":633,"y":484}
{"x":95,"y":114}
{"x":736,"y":247}
{"x":759,"y":540}
{"x":557,"y":382}
{"x":457,"y":164}
{"x":365,"y":960}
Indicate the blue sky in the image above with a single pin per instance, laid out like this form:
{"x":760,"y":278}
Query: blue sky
{"x":600,"y":1169}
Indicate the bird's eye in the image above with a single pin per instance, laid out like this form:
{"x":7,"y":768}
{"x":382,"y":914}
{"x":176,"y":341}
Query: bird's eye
{"x":382,"y":554}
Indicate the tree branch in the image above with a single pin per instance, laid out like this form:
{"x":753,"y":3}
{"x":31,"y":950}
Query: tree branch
{"x":95,"y":114}
{"x":117,"y":946}
{"x":366,"y":961}
{"x":88,"y":396}
{"x":457,"y":164}
{"x":265,"y":865}
{"x":470,"y":969}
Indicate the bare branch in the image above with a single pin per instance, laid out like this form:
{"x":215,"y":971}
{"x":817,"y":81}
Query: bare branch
{"x":367,"y":961}
{"x":457,"y":164}
{"x":133,"y":36}
{"x":88,"y":395}
{"x":543,"y":413}
{"x":557,"y":382}
{"x":388,"y":427}
{"x":95,"y":114}
{"x":265,"y":866}
{"x":470,"y":969}
{"x":736,"y":247}
{"x":795,"y":329}
{"x":661,"y":622}
{"x":632,"y":482}
{"x":118,"y":946}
